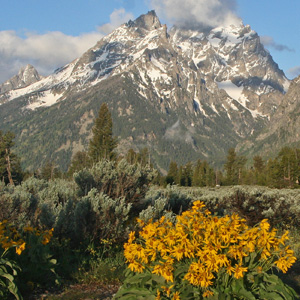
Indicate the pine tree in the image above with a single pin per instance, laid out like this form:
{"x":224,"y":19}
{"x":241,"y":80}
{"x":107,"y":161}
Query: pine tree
{"x":197,"y":174}
{"x":186,"y":174}
{"x":229,"y":167}
{"x":234,"y":168}
{"x":131,"y":156}
{"x":50,"y":171}
{"x":102,"y":144}
{"x":80,"y":161}
{"x":259,"y":170}
{"x":10,"y":167}
{"x":172,"y":176}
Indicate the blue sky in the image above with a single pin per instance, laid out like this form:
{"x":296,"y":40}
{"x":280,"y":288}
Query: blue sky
{"x":49,"y":34}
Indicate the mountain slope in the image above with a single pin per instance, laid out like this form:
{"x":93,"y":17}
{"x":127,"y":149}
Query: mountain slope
{"x":283,"y":128}
{"x":184,"y":94}
{"x":26,"y":76}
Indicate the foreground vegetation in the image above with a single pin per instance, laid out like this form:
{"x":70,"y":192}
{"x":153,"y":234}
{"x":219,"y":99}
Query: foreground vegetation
{"x":73,"y":231}
{"x":67,"y":229}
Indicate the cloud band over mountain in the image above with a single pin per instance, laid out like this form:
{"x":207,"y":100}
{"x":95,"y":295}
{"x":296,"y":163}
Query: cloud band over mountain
{"x":197,"y":13}
{"x":51,"y":50}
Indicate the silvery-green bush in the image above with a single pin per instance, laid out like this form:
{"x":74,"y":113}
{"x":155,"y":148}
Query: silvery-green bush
{"x":116,"y":179}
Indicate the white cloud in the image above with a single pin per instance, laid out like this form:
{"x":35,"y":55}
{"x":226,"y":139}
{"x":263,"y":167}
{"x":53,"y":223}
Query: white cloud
{"x":197,"y":13}
{"x":47,"y":52}
{"x":269,"y":42}
{"x":117,"y":17}
{"x":293,"y":72}
{"x":177,"y":133}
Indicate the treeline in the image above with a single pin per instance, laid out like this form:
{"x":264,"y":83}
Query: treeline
{"x":281,"y":172}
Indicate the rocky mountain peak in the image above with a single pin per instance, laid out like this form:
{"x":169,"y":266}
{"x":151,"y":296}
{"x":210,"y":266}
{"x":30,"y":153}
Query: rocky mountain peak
{"x":27,"y":75}
{"x":203,"y":90}
{"x":149,"y":21}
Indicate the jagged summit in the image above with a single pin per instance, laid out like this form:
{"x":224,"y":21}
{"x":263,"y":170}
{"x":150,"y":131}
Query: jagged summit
{"x":149,"y":21}
{"x":229,"y":58}
{"x":27,"y":75}
{"x":193,"y":91}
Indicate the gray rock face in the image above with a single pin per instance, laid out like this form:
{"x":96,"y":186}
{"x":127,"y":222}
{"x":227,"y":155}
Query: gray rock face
{"x":203,"y":90}
{"x":26,"y":76}
{"x":283,"y":128}
{"x":149,"y":21}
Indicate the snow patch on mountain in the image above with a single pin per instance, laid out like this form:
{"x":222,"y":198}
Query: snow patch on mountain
{"x":181,"y":66}
{"x":235,"y":92}
{"x":44,"y":99}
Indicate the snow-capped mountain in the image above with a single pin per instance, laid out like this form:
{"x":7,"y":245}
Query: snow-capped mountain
{"x":172,"y":91}
{"x":26,"y":76}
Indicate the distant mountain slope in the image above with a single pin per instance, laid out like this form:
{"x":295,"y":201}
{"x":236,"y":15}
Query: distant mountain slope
{"x":184,"y":94}
{"x":283,"y":128}
{"x":26,"y":76}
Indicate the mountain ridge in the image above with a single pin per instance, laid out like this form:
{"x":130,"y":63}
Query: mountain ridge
{"x":204,"y":92}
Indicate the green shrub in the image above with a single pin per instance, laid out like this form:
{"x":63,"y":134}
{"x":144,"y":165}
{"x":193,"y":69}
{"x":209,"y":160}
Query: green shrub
{"x":116,"y":179}
{"x":9,"y":269}
{"x":36,"y":261}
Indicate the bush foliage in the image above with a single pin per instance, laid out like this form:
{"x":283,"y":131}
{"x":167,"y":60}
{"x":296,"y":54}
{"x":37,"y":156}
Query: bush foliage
{"x":99,"y":206}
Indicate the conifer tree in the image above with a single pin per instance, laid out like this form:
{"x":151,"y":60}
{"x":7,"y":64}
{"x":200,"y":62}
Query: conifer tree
{"x":79,"y":161}
{"x":186,"y":174}
{"x":234,"y":168}
{"x":197,"y":179}
{"x":50,"y":171}
{"x":102,"y":144}
{"x":172,"y":176}
{"x":10,"y":168}
{"x":203,"y":175}
{"x":131,"y":156}
{"x":259,"y":170}
{"x":231,"y":172}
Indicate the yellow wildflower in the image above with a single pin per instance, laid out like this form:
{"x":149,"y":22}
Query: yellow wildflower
{"x":131,"y":237}
{"x":20,"y":248}
{"x":136,"y":267}
{"x":165,"y":270}
{"x":176,"y":296}
{"x":198,"y":204}
{"x":167,"y":289}
{"x":28,"y":229}
{"x":239,"y":271}
{"x":207,"y":293}
{"x":230,"y":269}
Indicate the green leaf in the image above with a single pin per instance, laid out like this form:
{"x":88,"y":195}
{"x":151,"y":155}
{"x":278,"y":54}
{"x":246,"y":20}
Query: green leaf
{"x":53,"y":261}
{"x":158,"y":279}
{"x":12,"y":287}
{"x":8,"y":276}
{"x":270,"y":295}
{"x":138,"y":278}
{"x":134,"y":293}
{"x":181,"y":269}
{"x":239,"y":290}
